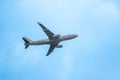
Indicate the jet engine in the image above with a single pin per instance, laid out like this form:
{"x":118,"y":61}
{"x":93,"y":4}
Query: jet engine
{"x":59,"y":46}
{"x":57,"y":36}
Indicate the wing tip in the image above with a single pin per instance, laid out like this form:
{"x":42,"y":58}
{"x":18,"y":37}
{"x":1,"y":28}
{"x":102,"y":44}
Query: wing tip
{"x":46,"y":55}
{"x":41,"y":25}
{"x":38,"y":22}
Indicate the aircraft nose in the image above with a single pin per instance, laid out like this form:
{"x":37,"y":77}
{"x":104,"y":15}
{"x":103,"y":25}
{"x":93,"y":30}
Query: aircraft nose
{"x":76,"y":35}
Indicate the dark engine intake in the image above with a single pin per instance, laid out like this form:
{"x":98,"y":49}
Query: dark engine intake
{"x":57,"y":36}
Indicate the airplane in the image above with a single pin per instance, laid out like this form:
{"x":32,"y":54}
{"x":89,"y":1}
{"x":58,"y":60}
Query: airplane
{"x":53,"y":39}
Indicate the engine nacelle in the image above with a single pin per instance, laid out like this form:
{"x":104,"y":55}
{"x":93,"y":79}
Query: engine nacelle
{"x":57,"y":36}
{"x":59,"y":46}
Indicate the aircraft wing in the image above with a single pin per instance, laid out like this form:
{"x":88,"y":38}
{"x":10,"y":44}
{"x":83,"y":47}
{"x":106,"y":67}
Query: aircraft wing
{"x":52,"y":47}
{"x":47,"y":32}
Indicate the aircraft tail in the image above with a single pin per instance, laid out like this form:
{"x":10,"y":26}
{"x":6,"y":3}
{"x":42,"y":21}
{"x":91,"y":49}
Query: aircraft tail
{"x":27,"y":41}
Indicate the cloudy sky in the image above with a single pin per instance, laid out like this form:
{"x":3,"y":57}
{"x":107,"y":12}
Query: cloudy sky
{"x":94,"y":55}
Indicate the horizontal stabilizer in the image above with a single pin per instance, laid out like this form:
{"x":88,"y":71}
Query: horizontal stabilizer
{"x":27,"y":41}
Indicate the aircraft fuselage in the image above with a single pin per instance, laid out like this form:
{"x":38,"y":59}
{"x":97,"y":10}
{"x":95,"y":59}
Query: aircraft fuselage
{"x":47,"y":41}
{"x":53,"y":39}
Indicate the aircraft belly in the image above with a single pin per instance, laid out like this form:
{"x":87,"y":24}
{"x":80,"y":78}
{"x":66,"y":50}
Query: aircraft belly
{"x":66,"y":37}
{"x":63,"y":38}
{"x":40,"y":42}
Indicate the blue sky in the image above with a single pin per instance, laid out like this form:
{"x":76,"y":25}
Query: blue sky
{"x":94,"y":55}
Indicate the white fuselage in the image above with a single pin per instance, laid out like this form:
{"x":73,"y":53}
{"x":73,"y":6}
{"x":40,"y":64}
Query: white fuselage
{"x":47,"y":41}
